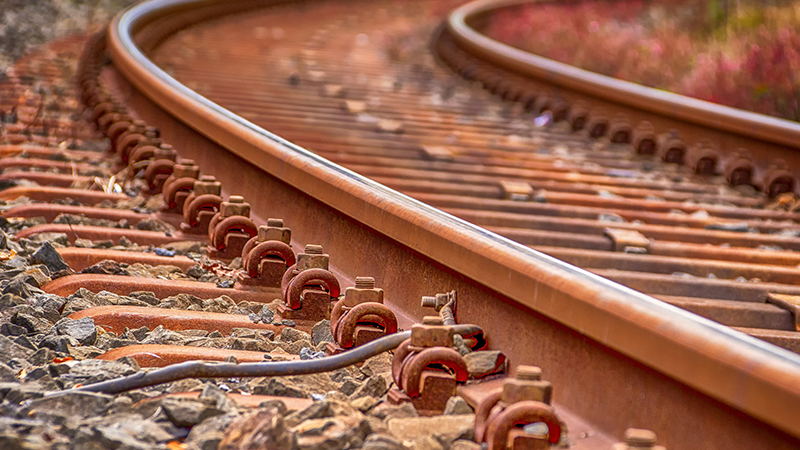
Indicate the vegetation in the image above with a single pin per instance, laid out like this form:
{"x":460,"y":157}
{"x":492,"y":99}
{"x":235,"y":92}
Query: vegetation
{"x":732,"y":52}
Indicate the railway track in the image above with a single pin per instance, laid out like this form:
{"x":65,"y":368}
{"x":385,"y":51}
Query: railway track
{"x":356,"y":84}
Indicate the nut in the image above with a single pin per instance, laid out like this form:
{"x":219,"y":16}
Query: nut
{"x":528,"y":385}
{"x":207,"y":184}
{"x":274,"y":231}
{"x":235,"y":206}
{"x":364,"y":292}
{"x":431,"y":333}
{"x":312,"y":258}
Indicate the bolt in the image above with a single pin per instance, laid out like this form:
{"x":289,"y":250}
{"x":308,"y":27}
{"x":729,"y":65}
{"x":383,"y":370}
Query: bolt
{"x":208,"y":178}
{"x":365,"y":283}
{"x":312,"y":249}
{"x":639,"y":438}
{"x":235,"y":199}
{"x":432,"y":320}
{"x":186,"y":162}
{"x":529,"y":373}
{"x":275,"y":223}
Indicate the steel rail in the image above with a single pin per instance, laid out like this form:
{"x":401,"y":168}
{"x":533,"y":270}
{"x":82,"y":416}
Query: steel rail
{"x":749,"y":375}
{"x":720,"y":117}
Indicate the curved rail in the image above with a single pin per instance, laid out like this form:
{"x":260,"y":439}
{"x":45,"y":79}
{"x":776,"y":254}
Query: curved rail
{"x":749,"y":375}
{"x":725,"y":118}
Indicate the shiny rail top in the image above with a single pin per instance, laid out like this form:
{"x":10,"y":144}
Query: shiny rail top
{"x":654,"y":333}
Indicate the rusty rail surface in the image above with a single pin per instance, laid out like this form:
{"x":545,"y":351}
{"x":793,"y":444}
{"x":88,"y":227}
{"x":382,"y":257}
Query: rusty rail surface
{"x":588,"y":333}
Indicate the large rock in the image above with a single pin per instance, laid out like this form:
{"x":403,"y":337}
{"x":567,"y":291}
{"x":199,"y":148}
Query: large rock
{"x":280,"y":387}
{"x":94,"y":370}
{"x":208,"y":434}
{"x":331,"y":433}
{"x":321,"y":332}
{"x":374,"y":386}
{"x":68,"y":404}
{"x":9,"y":349}
{"x":484,"y":363}
{"x":82,"y":330}
{"x":445,"y":428}
{"x":187,"y":412}
{"x":261,"y":428}
{"x":291,"y":335}
{"x":47,"y":255}
{"x":161,"y":335}
{"x":34,"y":325}
{"x":386,"y":411}
{"x":382,"y":442}
{"x":457,"y":405}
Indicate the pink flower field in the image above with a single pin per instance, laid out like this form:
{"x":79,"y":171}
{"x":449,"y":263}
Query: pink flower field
{"x":737,"y":53}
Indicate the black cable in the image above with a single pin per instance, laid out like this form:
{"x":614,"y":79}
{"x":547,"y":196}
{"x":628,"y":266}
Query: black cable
{"x":204,"y":369}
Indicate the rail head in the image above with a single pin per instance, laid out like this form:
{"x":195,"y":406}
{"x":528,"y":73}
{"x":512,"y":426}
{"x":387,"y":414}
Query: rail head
{"x":747,"y":374}
{"x":724,"y":118}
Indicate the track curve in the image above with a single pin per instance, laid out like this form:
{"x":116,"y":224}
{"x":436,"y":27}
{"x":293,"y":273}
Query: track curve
{"x":591,"y":317}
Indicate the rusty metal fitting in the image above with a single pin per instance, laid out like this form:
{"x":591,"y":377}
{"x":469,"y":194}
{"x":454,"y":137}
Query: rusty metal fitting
{"x":230,"y":234}
{"x":516,"y":190}
{"x":360,"y":324}
{"x":151,"y":132}
{"x":503,"y":427}
{"x":207,"y":184}
{"x":578,"y":116}
{"x":360,"y":316}
{"x":165,"y":151}
{"x":671,"y":148}
{"x":198,"y":212}
{"x":431,"y":333}
{"x":644,"y":139}
{"x":703,"y":158}
{"x":521,"y":400}
{"x":527,"y":385}
{"x":312,"y":258}
{"x":426,"y":375}
{"x":235,"y":206}
{"x":268,"y":261}
{"x":790,"y":303}
{"x":619,"y":131}
{"x":272,"y":231}
{"x":363,"y":292}
{"x":638,"y":439}
{"x":777,"y":179}
{"x":157,"y":174}
{"x":308,"y":295}
{"x":186,"y":168}
{"x":275,"y":231}
{"x":739,"y":168}
{"x":627,"y":241}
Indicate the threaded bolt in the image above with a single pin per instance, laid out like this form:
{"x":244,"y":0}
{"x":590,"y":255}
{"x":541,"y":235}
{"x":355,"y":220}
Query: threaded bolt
{"x":639,"y":438}
{"x":365,"y":283}
{"x":275,"y":223}
{"x":428,"y":302}
{"x":312,"y":249}
{"x":186,"y":162}
{"x":208,"y":178}
{"x":432,"y":320}
{"x":529,"y":373}
{"x":235,"y":199}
